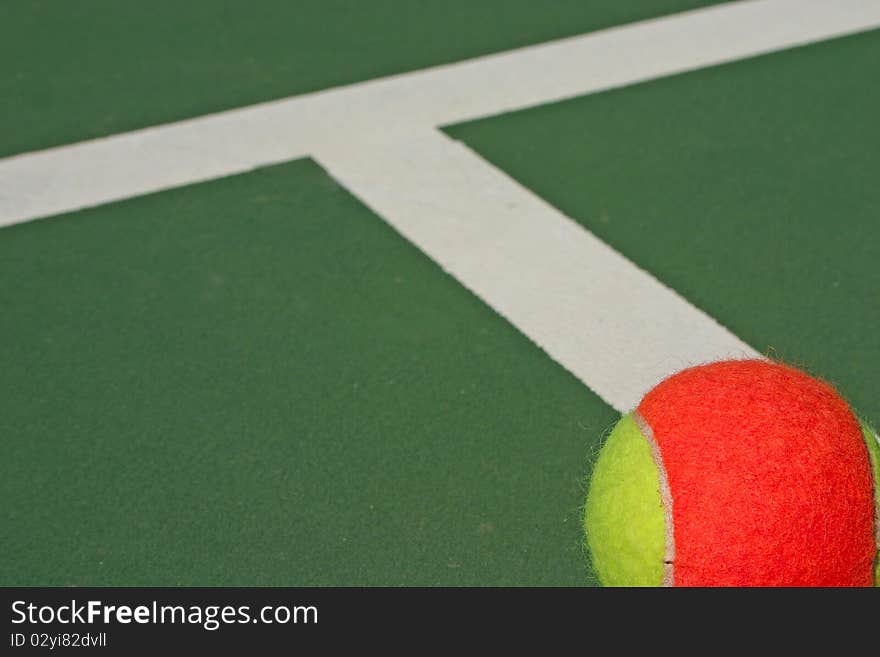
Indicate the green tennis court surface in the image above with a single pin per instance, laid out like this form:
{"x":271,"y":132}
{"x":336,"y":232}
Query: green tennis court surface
{"x":257,"y":380}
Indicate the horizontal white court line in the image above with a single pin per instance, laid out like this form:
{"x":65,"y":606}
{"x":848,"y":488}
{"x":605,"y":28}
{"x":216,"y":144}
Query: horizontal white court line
{"x":608,"y":322}
{"x":91,"y":173}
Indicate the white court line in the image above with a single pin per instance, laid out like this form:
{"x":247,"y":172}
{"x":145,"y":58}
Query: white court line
{"x":90,"y":173}
{"x":608,"y":322}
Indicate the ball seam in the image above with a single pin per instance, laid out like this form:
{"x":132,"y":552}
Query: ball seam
{"x":665,"y":498}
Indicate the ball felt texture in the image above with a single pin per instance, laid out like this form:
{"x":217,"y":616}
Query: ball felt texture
{"x":736,"y":473}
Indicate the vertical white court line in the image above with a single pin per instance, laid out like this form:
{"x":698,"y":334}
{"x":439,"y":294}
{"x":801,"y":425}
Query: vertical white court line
{"x":611,"y":324}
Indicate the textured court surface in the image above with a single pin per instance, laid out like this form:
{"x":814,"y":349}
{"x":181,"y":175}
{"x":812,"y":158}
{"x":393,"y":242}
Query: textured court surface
{"x":256,"y":380}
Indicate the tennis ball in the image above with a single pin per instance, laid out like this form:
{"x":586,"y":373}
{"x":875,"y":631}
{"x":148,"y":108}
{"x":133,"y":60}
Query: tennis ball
{"x":737,"y":473}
